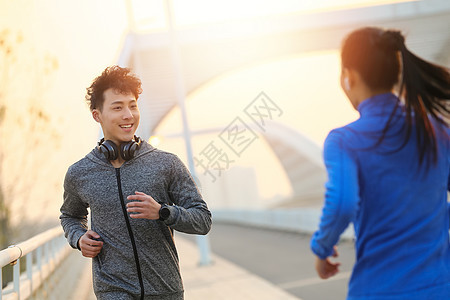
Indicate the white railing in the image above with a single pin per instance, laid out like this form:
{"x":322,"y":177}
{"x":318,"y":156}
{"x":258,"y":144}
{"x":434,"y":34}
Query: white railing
{"x":42,"y":253}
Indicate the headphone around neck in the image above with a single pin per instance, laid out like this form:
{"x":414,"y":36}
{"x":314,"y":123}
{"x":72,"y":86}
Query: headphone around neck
{"x":127,"y":150}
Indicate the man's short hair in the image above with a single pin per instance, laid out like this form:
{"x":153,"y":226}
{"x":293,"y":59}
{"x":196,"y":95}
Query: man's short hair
{"x":115,"y":77}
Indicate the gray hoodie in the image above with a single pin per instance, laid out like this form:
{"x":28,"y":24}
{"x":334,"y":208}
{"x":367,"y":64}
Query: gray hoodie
{"x":93,"y":182}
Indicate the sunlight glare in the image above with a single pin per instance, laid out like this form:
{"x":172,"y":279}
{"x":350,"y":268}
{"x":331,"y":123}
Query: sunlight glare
{"x":206,"y":11}
{"x":151,"y":15}
{"x":155,"y":140}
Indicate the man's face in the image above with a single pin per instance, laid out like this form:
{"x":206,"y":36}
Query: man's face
{"x":119,"y":116}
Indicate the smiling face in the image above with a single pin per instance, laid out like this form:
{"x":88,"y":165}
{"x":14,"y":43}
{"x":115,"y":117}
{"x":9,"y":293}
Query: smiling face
{"x":119,"y":116}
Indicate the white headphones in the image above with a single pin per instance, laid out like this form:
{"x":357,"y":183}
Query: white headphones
{"x":346,"y":84}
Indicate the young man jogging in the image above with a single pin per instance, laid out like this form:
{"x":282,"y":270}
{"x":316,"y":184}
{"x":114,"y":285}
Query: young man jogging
{"x":137,"y":196}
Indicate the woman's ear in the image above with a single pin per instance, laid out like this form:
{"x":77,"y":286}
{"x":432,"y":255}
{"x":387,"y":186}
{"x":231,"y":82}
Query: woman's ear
{"x":353,"y":78}
{"x":345,"y":79}
{"x":346,"y":84}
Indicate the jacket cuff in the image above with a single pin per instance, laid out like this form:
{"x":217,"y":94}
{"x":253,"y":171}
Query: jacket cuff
{"x":75,"y":238}
{"x":320,"y":251}
{"x":173,"y":215}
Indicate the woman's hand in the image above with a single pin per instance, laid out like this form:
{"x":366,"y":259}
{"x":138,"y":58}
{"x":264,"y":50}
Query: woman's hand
{"x":326,"y":268}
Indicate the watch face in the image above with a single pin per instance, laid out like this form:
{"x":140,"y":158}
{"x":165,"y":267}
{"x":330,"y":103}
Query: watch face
{"x":165,"y":213}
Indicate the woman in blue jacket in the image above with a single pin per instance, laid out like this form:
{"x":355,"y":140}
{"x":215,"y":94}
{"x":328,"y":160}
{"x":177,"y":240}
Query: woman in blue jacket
{"x":388,"y":172}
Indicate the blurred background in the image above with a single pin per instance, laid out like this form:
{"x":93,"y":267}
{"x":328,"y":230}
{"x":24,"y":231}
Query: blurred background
{"x":270,"y":66}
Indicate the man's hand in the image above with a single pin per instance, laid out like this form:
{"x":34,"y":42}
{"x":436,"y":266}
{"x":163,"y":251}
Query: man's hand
{"x":144,"y":208}
{"x":90,"y":247}
{"x":326,"y":268}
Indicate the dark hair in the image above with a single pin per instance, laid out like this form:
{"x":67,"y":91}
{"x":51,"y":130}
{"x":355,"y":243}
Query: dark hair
{"x":425,"y":87}
{"x":115,"y":77}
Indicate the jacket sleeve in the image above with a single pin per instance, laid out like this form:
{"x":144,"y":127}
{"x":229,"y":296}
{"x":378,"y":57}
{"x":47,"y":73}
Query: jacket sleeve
{"x":448,"y":203}
{"x":189,"y":213}
{"x":73,"y":214}
{"x":341,"y":195}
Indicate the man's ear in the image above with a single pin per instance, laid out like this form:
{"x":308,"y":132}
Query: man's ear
{"x":95,"y":115}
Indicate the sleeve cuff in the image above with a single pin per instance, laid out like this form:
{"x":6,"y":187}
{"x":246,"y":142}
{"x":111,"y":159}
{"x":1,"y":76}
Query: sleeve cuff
{"x":173,"y":215}
{"x":76,"y":237}
{"x":321,"y":252}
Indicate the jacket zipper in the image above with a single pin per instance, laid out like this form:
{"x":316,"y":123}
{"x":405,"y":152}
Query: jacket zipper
{"x":130,"y":232}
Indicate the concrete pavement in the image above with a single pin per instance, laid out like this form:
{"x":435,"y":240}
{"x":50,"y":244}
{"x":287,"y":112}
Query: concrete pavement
{"x":222,"y":279}
{"x":283,"y":258}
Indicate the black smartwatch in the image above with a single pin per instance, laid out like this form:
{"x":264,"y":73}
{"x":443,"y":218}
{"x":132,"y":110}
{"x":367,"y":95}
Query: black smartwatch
{"x":164,"y":212}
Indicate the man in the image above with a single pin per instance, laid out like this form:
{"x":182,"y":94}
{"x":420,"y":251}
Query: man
{"x":137,"y":196}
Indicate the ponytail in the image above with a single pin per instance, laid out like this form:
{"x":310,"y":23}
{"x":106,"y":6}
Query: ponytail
{"x":426,"y":91}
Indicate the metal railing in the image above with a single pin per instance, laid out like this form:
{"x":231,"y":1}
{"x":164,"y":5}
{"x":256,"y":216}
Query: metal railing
{"x":42,"y":254}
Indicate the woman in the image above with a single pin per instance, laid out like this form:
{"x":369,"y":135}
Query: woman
{"x":388,"y":172}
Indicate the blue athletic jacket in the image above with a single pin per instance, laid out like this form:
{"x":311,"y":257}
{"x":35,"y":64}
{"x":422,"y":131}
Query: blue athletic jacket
{"x":399,"y":209}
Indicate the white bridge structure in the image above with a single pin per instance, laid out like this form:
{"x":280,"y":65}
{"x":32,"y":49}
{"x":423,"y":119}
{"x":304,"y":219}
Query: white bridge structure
{"x":45,"y":267}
